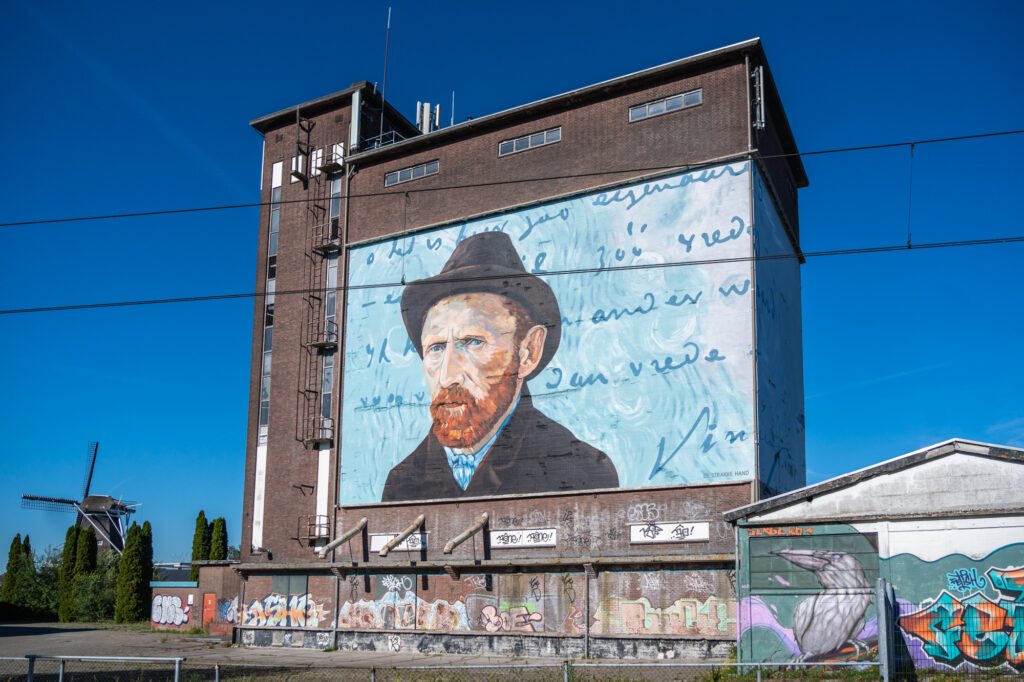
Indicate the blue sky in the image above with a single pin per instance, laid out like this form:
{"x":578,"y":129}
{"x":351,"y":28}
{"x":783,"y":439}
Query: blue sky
{"x":126,"y":107}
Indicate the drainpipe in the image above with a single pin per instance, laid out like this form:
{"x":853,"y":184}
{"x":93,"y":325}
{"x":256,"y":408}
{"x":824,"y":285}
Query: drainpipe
{"x":398,"y":539}
{"x":342,"y":539}
{"x":466,"y":534}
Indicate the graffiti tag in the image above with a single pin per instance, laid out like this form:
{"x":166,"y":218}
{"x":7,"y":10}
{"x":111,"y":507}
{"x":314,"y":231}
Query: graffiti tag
{"x":168,"y":610}
{"x":276,"y":610}
{"x":965,"y":580}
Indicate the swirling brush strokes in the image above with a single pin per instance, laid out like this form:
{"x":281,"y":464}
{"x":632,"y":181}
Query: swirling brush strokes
{"x":652,"y":361}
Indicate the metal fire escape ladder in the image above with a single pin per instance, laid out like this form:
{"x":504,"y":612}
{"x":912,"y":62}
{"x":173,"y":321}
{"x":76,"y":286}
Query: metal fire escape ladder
{"x":319,"y":336}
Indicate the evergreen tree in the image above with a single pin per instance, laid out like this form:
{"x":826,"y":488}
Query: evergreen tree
{"x":85,"y":563}
{"x":219,"y":539}
{"x":127,"y":606}
{"x":14,"y":563}
{"x":25,"y":582}
{"x":145,"y":592}
{"x":200,"y":544}
{"x":65,"y":594}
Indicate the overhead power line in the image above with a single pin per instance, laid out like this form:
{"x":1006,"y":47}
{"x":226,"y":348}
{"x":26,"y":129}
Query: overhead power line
{"x":476,"y":185}
{"x":551,"y":273}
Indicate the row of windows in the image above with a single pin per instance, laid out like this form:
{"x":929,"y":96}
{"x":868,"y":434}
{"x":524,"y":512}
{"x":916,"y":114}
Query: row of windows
{"x":666,"y":104}
{"x":414,"y":173}
{"x":521,"y":144}
{"x":552,"y":135}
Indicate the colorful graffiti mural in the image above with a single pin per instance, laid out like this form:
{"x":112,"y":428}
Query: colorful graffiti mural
{"x":277,"y":610}
{"x":466,"y":347}
{"x":713,"y":617}
{"x":168,"y":609}
{"x":974,"y":629}
{"x":695,"y":603}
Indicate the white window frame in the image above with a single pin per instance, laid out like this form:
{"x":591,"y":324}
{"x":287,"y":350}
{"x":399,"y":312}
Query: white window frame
{"x":665,"y":105}
{"x":412,"y":173}
{"x":528,"y":142}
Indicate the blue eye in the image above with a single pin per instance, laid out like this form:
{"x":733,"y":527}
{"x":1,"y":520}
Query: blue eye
{"x":473,"y":343}
{"x":435,"y":348}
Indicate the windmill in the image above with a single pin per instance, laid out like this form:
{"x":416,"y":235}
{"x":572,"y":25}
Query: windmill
{"x":107,"y":515}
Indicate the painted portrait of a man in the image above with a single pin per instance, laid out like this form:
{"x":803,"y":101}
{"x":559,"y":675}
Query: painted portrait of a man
{"x":483,"y":327}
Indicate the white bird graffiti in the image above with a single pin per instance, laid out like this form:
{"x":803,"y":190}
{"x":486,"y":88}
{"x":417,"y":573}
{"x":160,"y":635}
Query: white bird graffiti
{"x":827,"y":621}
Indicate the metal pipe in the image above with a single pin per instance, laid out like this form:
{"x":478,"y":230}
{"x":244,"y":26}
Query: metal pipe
{"x":586,"y":624}
{"x":343,"y":538}
{"x":466,"y":534}
{"x":398,"y":539}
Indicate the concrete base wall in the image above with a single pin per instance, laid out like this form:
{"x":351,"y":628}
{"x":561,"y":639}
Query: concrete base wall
{"x":537,"y":646}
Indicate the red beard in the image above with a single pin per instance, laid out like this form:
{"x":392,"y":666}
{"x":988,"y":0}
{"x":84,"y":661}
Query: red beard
{"x":461,"y":421}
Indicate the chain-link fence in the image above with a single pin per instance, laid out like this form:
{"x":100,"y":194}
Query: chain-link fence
{"x":126,"y":669}
{"x":96,"y":668}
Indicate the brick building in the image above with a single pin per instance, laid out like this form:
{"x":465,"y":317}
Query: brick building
{"x":596,"y":248}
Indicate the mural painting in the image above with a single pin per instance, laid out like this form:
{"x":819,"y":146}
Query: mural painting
{"x":557,"y":347}
{"x":963,"y":613}
{"x":168,"y":609}
{"x":278,"y":610}
{"x":696,"y":603}
{"x":810,"y":595}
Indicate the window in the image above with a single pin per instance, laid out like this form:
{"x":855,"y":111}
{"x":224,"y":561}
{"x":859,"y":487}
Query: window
{"x":316,"y":160}
{"x":665,"y":105}
{"x":297,"y":166}
{"x":530,"y":141}
{"x":414,"y":173}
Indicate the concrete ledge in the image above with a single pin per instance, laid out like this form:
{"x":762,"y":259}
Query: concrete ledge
{"x":484,"y":643}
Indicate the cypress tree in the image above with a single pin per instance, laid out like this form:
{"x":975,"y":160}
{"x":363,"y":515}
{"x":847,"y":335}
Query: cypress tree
{"x":85,"y":562}
{"x":200,"y":544}
{"x":25,"y":584}
{"x":219,"y":539}
{"x":14,"y":562}
{"x":145,"y":593}
{"x":127,"y":607}
{"x":65,"y":593}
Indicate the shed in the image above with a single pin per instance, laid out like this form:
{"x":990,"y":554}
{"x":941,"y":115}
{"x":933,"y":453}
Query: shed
{"x":944,"y":526}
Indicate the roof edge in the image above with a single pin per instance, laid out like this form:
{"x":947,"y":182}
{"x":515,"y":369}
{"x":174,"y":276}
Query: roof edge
{"x":466,"y":127}
{"x":936,"y":451}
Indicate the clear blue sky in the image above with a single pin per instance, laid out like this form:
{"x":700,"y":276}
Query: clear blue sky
{"x":124,"y":107}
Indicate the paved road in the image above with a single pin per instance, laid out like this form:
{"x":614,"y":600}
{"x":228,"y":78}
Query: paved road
{"x":71,"y":639}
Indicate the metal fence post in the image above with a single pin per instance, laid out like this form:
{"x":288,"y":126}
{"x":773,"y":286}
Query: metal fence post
{"x":177,"y":670}
{"x":216,"y":672}
{"x":565,"y":671}
{"x":31,"y":667}
{"x":882,"y":617}
{"x":373,"y":675}
{"x":60,"y":673}
{"x":758,"y":672}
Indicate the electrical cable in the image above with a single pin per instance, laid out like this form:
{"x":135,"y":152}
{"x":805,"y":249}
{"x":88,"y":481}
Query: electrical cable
{"x":477,"y":185}
{"x":552,"y":273}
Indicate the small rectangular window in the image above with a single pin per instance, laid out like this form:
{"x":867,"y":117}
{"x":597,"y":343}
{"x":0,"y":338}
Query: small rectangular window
{"x":413,"y":173}
{"x":665,"y":105}
{"x":530,"y":141}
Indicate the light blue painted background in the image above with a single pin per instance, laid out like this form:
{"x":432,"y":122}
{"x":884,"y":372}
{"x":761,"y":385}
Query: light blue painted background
{"x":654,"y":403}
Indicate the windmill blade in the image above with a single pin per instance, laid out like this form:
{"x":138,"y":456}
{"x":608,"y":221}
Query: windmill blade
{"x":57,"y":504}
{"x":89,"y":467}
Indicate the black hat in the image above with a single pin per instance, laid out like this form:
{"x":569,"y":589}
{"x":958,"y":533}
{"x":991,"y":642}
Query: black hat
{"x":485,"y":263}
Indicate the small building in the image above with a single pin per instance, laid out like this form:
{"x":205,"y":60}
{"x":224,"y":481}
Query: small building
{"x":944,"y":526}
{"x":210,"y":603}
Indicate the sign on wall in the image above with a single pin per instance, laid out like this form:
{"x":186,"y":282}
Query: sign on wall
{"x":602,"y":341}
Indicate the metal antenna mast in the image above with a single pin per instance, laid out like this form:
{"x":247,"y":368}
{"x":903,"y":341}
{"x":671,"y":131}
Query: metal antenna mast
{"x":384,"y":82}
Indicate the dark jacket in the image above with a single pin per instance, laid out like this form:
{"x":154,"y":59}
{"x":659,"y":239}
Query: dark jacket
{"x":532,"y":454}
